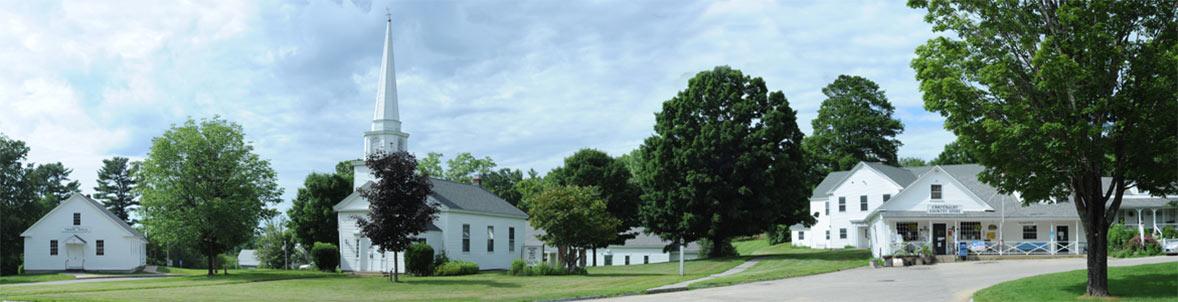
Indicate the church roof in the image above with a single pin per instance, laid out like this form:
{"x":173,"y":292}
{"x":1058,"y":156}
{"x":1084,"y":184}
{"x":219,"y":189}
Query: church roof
{"x":472,"y":198}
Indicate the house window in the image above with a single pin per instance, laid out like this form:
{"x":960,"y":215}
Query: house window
{"x":827,"y":234}
{"x":490,"y":239}
{"x":609,"y":260}
{"x":52,"y":247}
{"x":842,"y":204}
{"x":863,"y":203}
{"x":887,"y":197}
{"x":907,"y":230}
{"x":646,"y":259}
{"x":971,"y":230}
{"x":842,"y":233}
{"x":510,"y":239}
{"x":466,"y":238}
{"x":77,"y":218}
{"x":627,"y":259}
{"x":1030,"y":232}
{"x":801,"y":235}
{"x":99,"y":248}
{"x":935,"y":191}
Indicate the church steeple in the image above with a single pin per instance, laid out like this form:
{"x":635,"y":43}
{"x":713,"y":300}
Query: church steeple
{"x":386,"y":134}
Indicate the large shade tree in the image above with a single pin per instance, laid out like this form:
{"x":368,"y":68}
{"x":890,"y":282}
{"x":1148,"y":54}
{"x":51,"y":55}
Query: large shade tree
{"x":854,"y":124}
{"x":116,"y":187}
{"x":596,"y":169}
{"x":573,"y":218}
{"x":1052,"y":96}
{"x":726,"y":160}
{"x":397,"y":205}
{"x":204,"y":188}
{"x":502,"y":183}
{"x":27,"y":192}
{"x":955,"y":153}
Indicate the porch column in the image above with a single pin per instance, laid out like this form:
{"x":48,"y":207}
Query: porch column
{"x":1156,"y":230}
{"x":930,"y":232}
{"x":1051,"y":236}
{"x":1001,"y":242}
{"x":1140,"y":228}
{"x":1076,"y":249}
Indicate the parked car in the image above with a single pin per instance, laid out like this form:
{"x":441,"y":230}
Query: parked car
{"x":1170,"y":246}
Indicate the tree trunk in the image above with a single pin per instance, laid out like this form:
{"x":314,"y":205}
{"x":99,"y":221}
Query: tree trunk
{"x":717,"y":249}
{"x":212,"y":263}
{"x":1097,"y":260}
{"x":395,"y":268}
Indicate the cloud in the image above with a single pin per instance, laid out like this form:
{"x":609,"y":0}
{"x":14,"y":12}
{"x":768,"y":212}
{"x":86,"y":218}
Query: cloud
{"x":524,"y":82}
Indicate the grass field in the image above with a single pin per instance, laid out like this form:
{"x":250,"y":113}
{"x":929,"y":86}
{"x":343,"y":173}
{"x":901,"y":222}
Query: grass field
{"x":779,"y":261}
{"x":1150,"y":282}
{"x":33,"y":278}
{"x":785,"y":261}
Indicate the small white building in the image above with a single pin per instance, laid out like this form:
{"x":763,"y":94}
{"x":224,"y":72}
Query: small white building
{"x":642,"y":249}
{"x":248,"y":259}
{"x":890,"y":209}
{"x":81,"y":235}
{"x":472,"y":223}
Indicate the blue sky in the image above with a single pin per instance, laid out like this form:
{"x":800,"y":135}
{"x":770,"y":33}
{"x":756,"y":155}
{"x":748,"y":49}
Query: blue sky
{"x":524,"y":82}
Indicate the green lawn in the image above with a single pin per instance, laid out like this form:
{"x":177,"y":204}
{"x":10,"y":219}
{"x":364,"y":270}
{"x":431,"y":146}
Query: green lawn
{"x":1150,"y":282}
{"x":785,"y":261}
{"x":33,"y":278}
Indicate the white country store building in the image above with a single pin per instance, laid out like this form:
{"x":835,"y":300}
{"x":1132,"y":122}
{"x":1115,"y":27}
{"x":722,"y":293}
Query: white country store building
{"x":472,"y":223}
{"x":81,"y":235}
{"x":887,"y":209}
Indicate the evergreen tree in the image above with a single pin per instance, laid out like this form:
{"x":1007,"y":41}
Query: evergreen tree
{"x":854,"y":124}
{"x":116,"y":187}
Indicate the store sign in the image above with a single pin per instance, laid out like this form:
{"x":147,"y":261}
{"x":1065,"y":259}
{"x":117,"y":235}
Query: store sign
{"x":76,"y":230}
{"x":944,"y":209}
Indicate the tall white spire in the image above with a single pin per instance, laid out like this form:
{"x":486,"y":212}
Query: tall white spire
{"x":386,"y":134}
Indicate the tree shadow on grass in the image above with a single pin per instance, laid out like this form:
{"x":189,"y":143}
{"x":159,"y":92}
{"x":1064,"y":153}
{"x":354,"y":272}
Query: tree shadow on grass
{"x":464,"y":282}
{"x":626,"y":275}
{"x":1133,"y":286}
{"x":832,"y":255}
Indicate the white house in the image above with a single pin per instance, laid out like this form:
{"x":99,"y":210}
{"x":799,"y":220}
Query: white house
{"x":642,"y":249}
{"x":944,"y":206}
{"x":472,"y":224}
{"x":81,"y":235}
{"x":248,"y":259}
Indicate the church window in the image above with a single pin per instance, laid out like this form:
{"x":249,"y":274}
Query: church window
{"x":510,"y":239}
{"x":77,"y":218}
{"x":99,"y":247}
{"x":490,"y":239}
{"x":466,"y":238}
{"x":52,"y":247}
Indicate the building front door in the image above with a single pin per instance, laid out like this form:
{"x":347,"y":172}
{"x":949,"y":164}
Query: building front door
{"x":75,"y":255}
{"x":1061,"y":236}
{"x":939,"y":239}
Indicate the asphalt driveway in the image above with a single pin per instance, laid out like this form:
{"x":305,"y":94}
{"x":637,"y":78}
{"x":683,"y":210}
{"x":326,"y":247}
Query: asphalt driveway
{"x":941,"y":282}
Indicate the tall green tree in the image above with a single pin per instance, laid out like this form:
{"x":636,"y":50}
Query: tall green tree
{"x":573,"y":218}
{"x":912,"y":162}
{"x":312,"y":218}
{"x":462,"y":168}
{"x":18,"y":202}
{"x":431,"y":165}
{"x":726,"y":160}
{"x":1051,"y":96}
{"x":204,"y":187}
{"x":529,"y":188}
{"x":854,"y":124}
{"x":397,"y":206}
{"x":52,"y":184}
{"x":593,"y":168}
{"x":116,"y":187}
{"x":955,"y":153}
{"x":502,"y":183}
{"x":276,"y":244}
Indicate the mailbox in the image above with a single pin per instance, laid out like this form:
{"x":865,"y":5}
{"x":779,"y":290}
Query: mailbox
{"x":962,"y":250}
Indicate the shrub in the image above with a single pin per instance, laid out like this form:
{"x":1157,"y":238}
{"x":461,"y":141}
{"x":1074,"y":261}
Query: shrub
{"x":725,"y":248}
{"x":518,"y":266}
{"x":419,"y":259}
{"x":1118,"y":235}
{"x":326,"y":256}
{"x":440,"y":259}
{"x":778,"y":234}
{"x":1170,"y":232}
{"x":457,"y":268}
{"x":545,"y":270}
{"x":1134,"y":248}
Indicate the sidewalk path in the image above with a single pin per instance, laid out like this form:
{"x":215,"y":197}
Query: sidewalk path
{"x":941,"y":282}
{"x":681,"y":286}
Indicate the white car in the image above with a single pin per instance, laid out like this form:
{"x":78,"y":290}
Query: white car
{"x":1170,"y":246}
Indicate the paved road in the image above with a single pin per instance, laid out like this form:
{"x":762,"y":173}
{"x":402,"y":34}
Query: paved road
{"x":941,"y":282}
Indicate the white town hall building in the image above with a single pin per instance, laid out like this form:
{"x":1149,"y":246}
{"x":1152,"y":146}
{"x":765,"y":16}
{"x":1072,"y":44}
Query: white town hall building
{"x":890,"y":209}
{"x":81,"y":235}
{"x":472,"y":223}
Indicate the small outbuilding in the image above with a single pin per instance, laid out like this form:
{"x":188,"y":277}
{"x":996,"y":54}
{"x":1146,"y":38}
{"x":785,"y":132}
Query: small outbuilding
{"x":81,"y":235}
{"x":247,"y":259}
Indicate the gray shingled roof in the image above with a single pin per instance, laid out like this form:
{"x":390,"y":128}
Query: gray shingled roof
{"x":901,"y":176}
{"x":471,"y":198}
{"x":112,"y":216}
{"x":828,"y":183}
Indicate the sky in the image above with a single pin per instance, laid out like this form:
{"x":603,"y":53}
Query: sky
{"x":526,"y":83}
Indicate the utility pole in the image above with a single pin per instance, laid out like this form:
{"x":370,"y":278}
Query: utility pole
{"x":681,"y":246}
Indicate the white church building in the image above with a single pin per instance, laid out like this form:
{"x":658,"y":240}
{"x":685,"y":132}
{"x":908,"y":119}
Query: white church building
{"x":890,"y":209}
{"x":81,"y":235}
{"x":472,"y":223}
